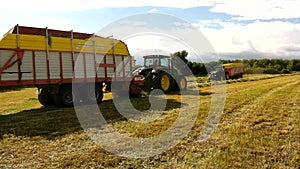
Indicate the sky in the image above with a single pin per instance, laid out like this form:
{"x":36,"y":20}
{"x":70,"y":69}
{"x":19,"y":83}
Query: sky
{"x":236,"y":29}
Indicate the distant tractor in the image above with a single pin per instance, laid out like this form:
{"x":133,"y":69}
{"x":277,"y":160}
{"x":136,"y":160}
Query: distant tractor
{"x":227,"y":71}
{"x":160,"y":72}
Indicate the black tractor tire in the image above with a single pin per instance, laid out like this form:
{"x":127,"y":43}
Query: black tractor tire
{"x":164,"y":82}
{"x":64,"y":98}
{"x":45,"y":97}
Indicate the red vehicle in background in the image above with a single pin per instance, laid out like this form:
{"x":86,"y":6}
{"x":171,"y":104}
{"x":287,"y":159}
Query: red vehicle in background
{"x":233,"y":70}
{"x":227,"y":71}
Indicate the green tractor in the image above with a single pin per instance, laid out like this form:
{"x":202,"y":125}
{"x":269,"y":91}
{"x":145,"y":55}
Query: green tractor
{"x":161,"y":72}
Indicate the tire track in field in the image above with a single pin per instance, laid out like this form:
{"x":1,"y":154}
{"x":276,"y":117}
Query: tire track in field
{"x":266,"y":95}
{"x":239,"y":109}
{"x":235,"y":106}
{"x":265,"y":131}
{"x":242,"y":114}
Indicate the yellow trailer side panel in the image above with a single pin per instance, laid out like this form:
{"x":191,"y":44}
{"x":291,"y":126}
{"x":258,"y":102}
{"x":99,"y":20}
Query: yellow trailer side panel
{"x":35,"y":42}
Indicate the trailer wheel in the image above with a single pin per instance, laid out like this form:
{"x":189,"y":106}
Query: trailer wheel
{"x":45,"y":97}
{"x":227,"y":76}
{"x":95,"y":95}
{"x":64,"y":97}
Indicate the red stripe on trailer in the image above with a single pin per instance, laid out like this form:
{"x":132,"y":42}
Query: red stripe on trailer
{"x":57,"y":81}
{"x":47,"y":66}
{"x":84,"y":65}
{"x":7,"y":64}
{"x":105,"y":68}
{"x":73,"y":63}
{"x":105,"y":65}
{"x":123,"y":66}
{"x":95,"y":66}
{"x":33,"y":66}
{"x":130,"y":62}
{"x":20,"y":55}
{"x":114,"y":61}
{"x":61,"y":74}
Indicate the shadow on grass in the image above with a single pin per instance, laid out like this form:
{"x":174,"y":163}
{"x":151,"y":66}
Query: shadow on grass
{"x":13,"y":88}
{"x":193,"y":93}
{"x":52,"y":122}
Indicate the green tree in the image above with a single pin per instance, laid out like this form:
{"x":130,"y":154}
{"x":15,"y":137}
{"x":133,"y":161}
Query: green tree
{"x":182,"y":55}
{"x":296,"y":67}
{"x":290,"y":65}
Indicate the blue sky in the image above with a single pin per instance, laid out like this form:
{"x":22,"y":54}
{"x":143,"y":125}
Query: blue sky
{"x":235,"y":28}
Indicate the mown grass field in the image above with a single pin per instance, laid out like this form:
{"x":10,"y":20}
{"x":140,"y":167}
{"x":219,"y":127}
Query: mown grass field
{"x":260,"y":128}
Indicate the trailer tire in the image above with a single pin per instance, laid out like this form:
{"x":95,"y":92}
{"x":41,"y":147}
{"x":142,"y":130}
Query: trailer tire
{"x":94,"y":95}
{"x":64,"y":98}
{"x":45,"y":97}
{"x":227,"y":76}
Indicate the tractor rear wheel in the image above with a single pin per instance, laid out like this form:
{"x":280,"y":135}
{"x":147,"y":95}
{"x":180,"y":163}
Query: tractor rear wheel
{"x":182,"y":83}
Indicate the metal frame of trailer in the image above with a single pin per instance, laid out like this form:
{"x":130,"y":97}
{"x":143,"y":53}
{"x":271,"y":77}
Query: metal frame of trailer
{"x":47,"y":58}
{"x":17,"y":56}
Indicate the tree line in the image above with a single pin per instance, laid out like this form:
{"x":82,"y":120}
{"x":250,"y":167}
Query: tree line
{"x":252,"y":66}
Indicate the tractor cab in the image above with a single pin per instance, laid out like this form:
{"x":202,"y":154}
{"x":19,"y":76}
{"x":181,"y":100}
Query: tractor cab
{"x":157,"y":61}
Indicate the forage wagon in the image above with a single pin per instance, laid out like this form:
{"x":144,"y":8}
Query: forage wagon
{"x":65,"y":66}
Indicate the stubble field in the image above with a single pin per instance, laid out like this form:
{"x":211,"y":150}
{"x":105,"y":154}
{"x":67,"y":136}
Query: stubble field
{"x":260,"y":128}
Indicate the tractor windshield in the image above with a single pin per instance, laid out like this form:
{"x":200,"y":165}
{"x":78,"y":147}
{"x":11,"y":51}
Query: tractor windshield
{"x":157,"y":61}
{"x":151,"y":62}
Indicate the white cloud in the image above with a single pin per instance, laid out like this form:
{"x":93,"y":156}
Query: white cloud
{"x":258,"y":9}
{"x":274,"y":37}
{"x":263,"y":37}
{"x":42,"y":21}
{"x":80,"y":5}
{"x":153,"y":10}
{"x":254,"y":9}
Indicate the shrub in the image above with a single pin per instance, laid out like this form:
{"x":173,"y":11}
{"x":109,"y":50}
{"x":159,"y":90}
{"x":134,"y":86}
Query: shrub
{"x":285,"y":71}
{"x":271,"y":71}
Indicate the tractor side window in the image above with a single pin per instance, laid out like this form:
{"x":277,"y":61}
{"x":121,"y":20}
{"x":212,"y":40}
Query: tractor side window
{"x":164,"y":62}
